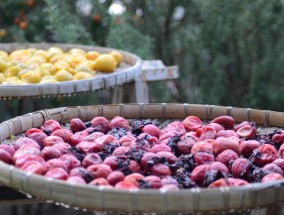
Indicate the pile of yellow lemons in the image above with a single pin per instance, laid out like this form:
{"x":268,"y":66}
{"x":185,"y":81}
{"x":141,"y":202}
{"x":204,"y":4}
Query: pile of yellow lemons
{"x":33,"y":66}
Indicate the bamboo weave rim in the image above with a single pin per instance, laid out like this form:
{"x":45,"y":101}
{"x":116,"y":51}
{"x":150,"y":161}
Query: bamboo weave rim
{"x":130,"y":70}
{"x":193,"y":200}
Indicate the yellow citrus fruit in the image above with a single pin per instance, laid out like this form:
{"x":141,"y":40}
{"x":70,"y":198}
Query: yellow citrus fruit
{"x":92,"y":55}
{"x":43,"y":72}
{"x":105,"y":63}
{"x":12,"y":80}
{"x":117,"y":56}
{"x":54,"y":50}
{"x":49,"y":67}
{"x":42,"y":53}
{"x":82,"y":75}
{"x":12,"y":71}
{"x":74,"y":59}
{"x":23,"y":71}
{"x":82,"y":68}
{"x":2,"y":78}
{"x":49,"y":79}
{"x":31,"y":77}
{"x":3,"y":65}
{"x":61,"y":64}
{"x":76,"y":51}
{"x":54,"y":58}
{"x":63,"y":75}
{"x":31,"y":50}
{"x":38,"y":58}
{"x":3,"y":54}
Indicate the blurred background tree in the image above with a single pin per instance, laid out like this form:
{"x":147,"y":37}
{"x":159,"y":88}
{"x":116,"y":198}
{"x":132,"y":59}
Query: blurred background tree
{"x":228,"y":52}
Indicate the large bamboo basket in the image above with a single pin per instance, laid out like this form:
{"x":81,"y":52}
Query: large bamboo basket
{"x":191,"y":201}
{"x":125,"y":73}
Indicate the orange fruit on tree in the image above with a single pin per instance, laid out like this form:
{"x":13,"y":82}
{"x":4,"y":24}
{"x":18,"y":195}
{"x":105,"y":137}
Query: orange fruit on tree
{"x":23,"y":25}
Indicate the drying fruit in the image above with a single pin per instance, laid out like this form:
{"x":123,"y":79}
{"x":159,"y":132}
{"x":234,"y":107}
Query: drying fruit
{"x":240,"y":167}
{"x":227,"y":122}
{"x":57,"y":173}
{"x":264,"y":154}
{"x":75,"y":180}
{"x":105,"y":63}
{"x":5,"y":156}
{"x":117,"y":56}
{"x":33,"y":167}
{"x":227,"y":157}
{"x":33,"y":66}
{"x":138,"y":154}
{"x":115,"y":177}
{"x":49,"y":152}
{"x":222,"y":143}
{"x":50,"y":126}
{"x":99,"y":170}
{"x":192,"y":123}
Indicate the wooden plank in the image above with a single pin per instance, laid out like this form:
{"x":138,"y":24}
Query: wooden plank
{"x":152,"y":70}
{"x":155,"y":70}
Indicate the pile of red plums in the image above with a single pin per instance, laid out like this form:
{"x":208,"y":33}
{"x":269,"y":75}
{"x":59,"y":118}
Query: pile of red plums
{"x":133,"y":154}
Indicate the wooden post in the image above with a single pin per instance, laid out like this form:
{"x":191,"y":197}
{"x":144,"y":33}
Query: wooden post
{"x":152,"y":70}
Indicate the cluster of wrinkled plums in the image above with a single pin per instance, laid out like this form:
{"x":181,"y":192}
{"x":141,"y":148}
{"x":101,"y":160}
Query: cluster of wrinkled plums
{"x":132,"y":154}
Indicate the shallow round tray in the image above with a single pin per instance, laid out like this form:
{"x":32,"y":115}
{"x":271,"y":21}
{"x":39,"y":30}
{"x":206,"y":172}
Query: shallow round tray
{"x":196,"y":200}
{"x":125,"y":73}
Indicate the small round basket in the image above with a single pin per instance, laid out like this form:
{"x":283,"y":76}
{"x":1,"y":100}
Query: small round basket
{"x":125,"y":73}
{"x":187,"y":201}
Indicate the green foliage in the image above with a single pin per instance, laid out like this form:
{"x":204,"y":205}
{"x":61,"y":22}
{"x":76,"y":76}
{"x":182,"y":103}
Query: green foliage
{"x":123,"y":36}
{"x":65,"y":27}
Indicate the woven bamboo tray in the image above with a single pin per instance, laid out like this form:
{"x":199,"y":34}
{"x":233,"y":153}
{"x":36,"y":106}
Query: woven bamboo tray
{"x":191,"y":201}
{"x":125,"y":73}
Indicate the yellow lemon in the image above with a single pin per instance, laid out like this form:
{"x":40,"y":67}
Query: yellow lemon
{"x":74,"y":60}
{"x":23,"y":71}
{"x":82,"y":75}
{"x":92,"y":55}
{"x":49,"y":67}
{"x":63,"y":75}
{"x":3,"y":65}
{"x":43,"y":72}
{"x":38,"y":58}
{"x":117,"y":56}
{"x":31,"y":50}
{"x":12,"y":80}
{"x":49,"y":79}
{"x":12,"y":71}
{"x":82,"y":68}
{"x":76,"y":51}
{"x":2,"y":78}
{"x":42,"y":53}
{"x":105,"y":63}
{"x":54,"y":58}
{"x":55,"y":50}
{"x":31,"y":77}
{"x":61,"y":64}
{"x":3,"y":54}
